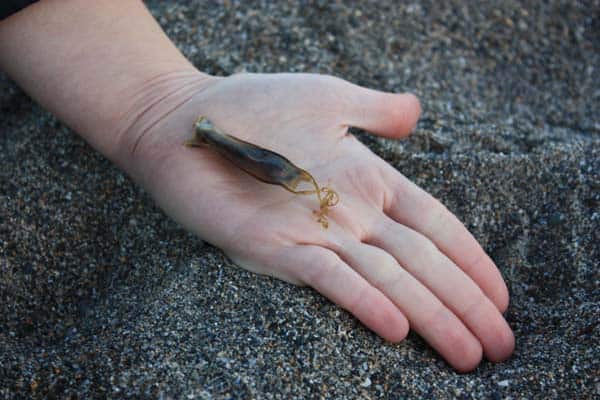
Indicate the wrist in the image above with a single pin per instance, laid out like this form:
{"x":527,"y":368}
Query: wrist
{"x":157,"y":116}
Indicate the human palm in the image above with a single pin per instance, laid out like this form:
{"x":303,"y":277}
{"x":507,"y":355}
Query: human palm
{"x":392,"y":255}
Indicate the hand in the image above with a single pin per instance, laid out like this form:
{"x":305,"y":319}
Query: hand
{"x":393,"y":256}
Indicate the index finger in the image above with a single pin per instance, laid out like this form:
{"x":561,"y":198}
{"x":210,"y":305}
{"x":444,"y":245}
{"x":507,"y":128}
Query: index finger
{"x":410,"y":205}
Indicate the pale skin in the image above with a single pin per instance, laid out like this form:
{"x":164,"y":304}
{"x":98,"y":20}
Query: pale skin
{"x":393,"y":256}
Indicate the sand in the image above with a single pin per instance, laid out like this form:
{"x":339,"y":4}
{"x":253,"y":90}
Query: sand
{"x":102,"y":295}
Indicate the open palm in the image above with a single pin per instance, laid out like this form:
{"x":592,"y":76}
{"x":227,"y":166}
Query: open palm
{"x":392,"y":255}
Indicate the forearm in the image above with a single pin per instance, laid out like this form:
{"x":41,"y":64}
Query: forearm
{"x":103,"y":67}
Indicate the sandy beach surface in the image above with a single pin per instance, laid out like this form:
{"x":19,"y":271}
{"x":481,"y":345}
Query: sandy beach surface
{"x":102,"y":295}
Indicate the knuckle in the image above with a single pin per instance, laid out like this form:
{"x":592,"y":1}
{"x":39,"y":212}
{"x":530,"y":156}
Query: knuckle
{"x":357,"y":299}
{"x":434,"y":317}
{"x":391,"y":285}
{"x":319,"y":264}
{"x":469,"y":311}
{"x":428,"y":250}
{"x":389,"y":277}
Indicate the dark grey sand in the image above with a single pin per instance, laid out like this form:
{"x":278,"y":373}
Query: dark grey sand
{"x":103,"y":296}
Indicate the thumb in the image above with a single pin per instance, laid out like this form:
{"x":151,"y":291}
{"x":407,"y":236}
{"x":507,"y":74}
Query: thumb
{"x":385,"y":114}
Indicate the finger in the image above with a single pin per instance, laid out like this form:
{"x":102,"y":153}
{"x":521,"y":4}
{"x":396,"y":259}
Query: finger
{"x":422,"y":259}
{"x":412,"y":206}
{"x":429,"y":317}
{"x":385,"y":114}
{"x":323,"y":270}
